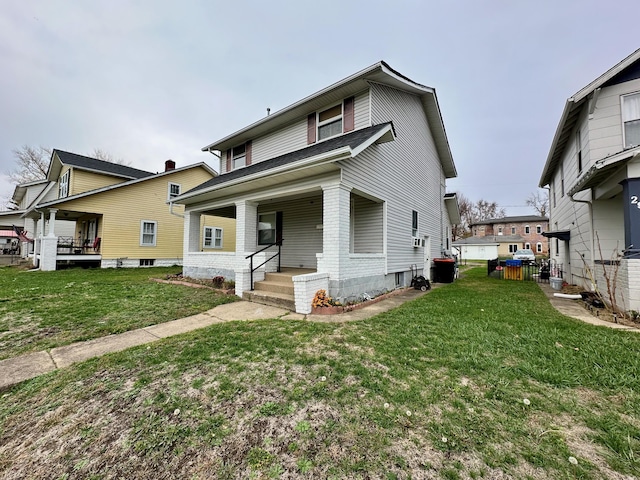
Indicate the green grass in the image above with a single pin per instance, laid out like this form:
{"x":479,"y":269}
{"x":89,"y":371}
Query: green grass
{"x":478,"y":379}
{"x":42,"y":310}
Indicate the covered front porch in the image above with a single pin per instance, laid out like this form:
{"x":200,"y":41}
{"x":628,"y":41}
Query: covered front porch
{"x":78,"y":242}
{"x":325,"y":233}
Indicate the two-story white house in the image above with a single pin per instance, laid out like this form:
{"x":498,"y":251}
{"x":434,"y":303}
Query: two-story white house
{"x":345,"y":189}
{"x":593,"y":175}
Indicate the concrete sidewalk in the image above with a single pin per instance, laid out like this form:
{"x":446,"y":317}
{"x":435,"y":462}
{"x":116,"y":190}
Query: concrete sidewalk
{"x":17,"y":369}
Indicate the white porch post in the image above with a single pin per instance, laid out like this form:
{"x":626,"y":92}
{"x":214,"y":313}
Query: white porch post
{"x":336,"y":201}
{"x":246,"y":225}
{"x":49,"y":246}
{"x":191,"y":241}
{"x":52,"y":222}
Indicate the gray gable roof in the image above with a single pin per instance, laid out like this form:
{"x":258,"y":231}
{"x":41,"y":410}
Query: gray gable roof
{"x":96,"y":165}
{"x":351,"y":140}
{"x":488,"y":240}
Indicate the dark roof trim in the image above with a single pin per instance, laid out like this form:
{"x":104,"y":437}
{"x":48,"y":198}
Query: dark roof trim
{"x":560,"y":234}
{"x":351,"y":140}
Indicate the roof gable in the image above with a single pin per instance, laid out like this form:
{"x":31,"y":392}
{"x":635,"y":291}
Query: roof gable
{"x":379,"y":72}
{"x":60,"y":158}
{"x":626,"y":70}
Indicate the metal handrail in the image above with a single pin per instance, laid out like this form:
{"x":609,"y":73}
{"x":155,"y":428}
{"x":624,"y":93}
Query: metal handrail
{"x":279,"y":244}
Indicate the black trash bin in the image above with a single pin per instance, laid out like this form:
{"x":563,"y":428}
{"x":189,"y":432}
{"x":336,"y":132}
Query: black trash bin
{"x":445,"y":270}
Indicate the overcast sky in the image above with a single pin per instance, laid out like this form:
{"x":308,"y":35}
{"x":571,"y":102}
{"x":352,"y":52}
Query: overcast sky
{"x":150,"y":80}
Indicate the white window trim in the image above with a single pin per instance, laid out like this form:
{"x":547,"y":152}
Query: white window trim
{"x":527,"y":229}
{"x":213,"y":237}
{"x":527,"y":245}
{"x":234,"y":157}
{"x":155,"y":233}
{"x":331,"y":120}
{"x":169,"y":195}
{"x":63,"y":187}
{"x":538,"y":229}
{"x":539,"y":247}
{"x":622,"y":97}
{"x":513,"y":230}
{"x":415,"y":228}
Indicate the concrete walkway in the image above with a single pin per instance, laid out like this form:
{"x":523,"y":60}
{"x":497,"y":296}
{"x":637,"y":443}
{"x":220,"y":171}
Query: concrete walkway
{"x":17,"y":369}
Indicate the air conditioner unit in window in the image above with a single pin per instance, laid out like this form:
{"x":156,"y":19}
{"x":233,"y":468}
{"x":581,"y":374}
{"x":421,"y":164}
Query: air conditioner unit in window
{"x":416,"y":241}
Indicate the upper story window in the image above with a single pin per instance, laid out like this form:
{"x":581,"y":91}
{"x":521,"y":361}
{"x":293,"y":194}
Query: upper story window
{"x":527,"y":230}
{"x":63,"y":186}
{"x":513,"y":230}
{"x":579,"y":151}
{"x":538,"y":229}
{"x":553,"y":191}
{"x":333,"y":121}
{"x":330,"y":122}
{"x":631,"y":119}
{"x":174,"y":190}
{"x":238,"y":156}
{"x":499,"y":230}
{"x":561,"y":180}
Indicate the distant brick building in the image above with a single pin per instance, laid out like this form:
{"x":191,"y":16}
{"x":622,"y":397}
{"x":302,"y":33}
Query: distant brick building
{"x":529,"y":227}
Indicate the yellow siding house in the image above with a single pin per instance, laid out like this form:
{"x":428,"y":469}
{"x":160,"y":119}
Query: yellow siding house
{"x":123,"y":216}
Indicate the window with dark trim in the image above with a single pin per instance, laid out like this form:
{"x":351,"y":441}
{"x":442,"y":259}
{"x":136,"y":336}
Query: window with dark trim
{"x":579,"y":151}
{"x":267,"y":228}
{"x":332,"y":121}
{"x":414,"y":223}
{"x":239,"y":156}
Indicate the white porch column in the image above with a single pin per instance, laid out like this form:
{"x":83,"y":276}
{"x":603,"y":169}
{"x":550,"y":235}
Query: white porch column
{"x":52,"y":222}
{"x":246,"y":239}
{"x":191,"y":241}
{"x":336,"y":201}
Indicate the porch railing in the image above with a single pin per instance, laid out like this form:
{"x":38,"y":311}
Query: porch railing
{"x":70,"y":245}
{"x":277,"y":254}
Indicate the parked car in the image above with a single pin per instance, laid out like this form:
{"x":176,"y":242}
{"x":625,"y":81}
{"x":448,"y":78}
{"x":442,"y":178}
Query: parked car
{"x":525,"y":254}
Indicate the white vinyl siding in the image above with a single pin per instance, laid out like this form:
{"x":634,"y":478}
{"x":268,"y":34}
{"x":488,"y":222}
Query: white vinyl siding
{"x":381,"y":171}
{"x":367,"y":225}
{"x":294,"y":136}
{"x":301,"y":230}
{"x":148,"y":233}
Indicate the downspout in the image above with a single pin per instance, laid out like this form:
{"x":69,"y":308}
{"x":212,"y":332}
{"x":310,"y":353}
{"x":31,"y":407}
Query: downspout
{"x":592,"y":265}
{"x":174,"y":213}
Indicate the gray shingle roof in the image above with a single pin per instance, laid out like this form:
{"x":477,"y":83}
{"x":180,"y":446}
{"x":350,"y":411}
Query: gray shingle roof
{"x":351,"y":140}
{"x":488,"y":239}
{"x":89,"y":163}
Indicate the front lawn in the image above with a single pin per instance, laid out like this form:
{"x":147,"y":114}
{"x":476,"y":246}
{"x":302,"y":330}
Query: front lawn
{"x":42,"y":310}
{"x":478,"y":379}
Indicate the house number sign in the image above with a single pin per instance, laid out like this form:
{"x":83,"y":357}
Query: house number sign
{"x":634,"y":201}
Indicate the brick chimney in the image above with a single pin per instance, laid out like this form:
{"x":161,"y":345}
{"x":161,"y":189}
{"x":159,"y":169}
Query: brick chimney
{"x":169,"y":165}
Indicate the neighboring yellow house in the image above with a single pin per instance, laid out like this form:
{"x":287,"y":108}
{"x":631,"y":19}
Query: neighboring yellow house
{"x":123,"y":216}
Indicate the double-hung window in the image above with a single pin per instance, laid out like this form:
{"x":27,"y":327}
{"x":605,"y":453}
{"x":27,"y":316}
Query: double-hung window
{"x":527,"y":230}
{"x":63,"y":187}
{"x":239,"y":158}
{"x":539,"y":247}
{"x":148,"y":233}
{"x":267,"y":228}
{"x":579,"y":151}
{"x":330,"y":122}
{"x":513,"y":230}
{"x":631,"y":119}
{"x":538,"y":229}
{"x":174,"y":190}
{"x":212,"y":237}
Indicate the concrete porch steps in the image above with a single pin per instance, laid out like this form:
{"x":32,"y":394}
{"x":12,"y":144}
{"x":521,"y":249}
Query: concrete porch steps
{"x":271,"y":298}
{"x":276,"y":289}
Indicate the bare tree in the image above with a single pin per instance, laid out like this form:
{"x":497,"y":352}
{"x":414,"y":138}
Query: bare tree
{"x":484,"y":210}
{"x":474,"y":212}
{"x":106,"y":156}
{"x":32,"y":164}
{"x":539,"y":201}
